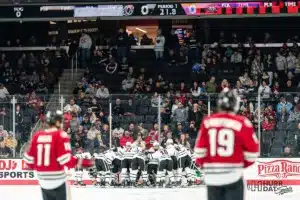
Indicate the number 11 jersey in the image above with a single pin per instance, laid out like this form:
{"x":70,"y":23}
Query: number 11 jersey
{"x":225,"y":145}
{"x":48,"y":154}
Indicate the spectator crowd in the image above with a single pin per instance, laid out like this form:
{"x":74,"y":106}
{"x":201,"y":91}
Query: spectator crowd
{"x":166,"y":93}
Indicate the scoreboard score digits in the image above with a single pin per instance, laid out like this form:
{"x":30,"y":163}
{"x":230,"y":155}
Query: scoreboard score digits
{"x":160,"y":9}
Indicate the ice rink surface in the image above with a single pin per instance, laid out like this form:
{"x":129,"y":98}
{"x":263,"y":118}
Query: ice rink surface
{"x":33,"y":193}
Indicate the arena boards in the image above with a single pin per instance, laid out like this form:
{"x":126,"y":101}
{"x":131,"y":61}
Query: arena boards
{"x":268,"y":178}
{"x":33,"y":193}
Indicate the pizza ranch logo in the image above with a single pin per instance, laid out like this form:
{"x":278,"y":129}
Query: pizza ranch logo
{"x":278,"y":168}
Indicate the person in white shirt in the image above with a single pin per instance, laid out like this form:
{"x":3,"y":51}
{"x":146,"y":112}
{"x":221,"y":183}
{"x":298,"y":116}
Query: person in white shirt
{"x":3,"y":91}
{"x":102,"y":92}
{"x":264,"y":90}
{"x":72,"y":106}
{"x":196,"y":90}
{"x":291,"y":62}
{"x":85,"y":44}
{"x":159,"y":45}
{"x":281,"y":63}
{"x":128,"y":83}
{"x":236,"y":58}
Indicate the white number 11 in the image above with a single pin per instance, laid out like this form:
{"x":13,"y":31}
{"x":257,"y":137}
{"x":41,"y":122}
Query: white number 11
{"x":221,"y":142}
{"x":43,"y":150}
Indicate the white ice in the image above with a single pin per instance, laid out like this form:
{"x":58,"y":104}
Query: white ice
{"x":34,"y":193}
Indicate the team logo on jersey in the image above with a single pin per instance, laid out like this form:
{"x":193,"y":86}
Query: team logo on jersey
{"x":278,"y":168}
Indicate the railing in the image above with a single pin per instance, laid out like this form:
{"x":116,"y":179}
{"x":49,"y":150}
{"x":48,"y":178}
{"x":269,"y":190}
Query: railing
{"x":159,"y":114}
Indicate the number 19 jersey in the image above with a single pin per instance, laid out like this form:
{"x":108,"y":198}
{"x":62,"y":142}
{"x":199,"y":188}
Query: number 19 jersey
{"x":48,"y":153}
{"x":225,"y":145}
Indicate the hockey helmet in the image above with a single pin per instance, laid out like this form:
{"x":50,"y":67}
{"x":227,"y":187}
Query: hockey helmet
{"x":169,"y":142}
{"x":53,"y":117}
{"x":229,"y":100}
{"x":128,"y":144}
{"x":155,"y":145}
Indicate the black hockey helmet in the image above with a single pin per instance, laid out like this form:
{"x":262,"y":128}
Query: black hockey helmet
{"x":53,"y":117}
{"x":229,"y":100}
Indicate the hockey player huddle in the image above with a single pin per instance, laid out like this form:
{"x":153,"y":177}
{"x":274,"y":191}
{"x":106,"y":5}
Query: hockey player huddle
{"x":135,"y":166}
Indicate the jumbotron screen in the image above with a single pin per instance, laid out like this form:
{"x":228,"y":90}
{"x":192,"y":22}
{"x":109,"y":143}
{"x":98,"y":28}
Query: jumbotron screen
{"x":151,"y":9}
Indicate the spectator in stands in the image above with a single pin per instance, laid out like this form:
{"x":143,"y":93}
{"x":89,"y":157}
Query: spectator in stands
{"x":41,"y":88}
{"x":295,"y":114}
{"x":10,"y":141}
{"x":3,"y":92}
{"x":126,"y":138}
{"x":211,"y":86}
{"x":91,"y":136}
{"x":195,"y":90}
{"x":118,"y":109}
{"x":245,"y":80}
{"x":80,"y":88}
{"x":268,"y":124}
{"x":156,"y":99}
{"x":5,"y":152}
{"x":118,"y":131}
{"x":195,"y":115}
{"x":74,"y":123}
{"x":144,"y":132}
{"x":128,"y":83}
{"x":264,"y":90}
{"x":283,"y":104}
{"x":122,"y":43}
{"x":172,"y":41}
{"x":102,"y":92}
{"x":281,"y":64}
{"x":72,"y":106}
{"x":112,"y":65}
{"x":85,"y":45}
{"x":287,"y":152}
{"x":180,"y":115}
{"x":291,"y":62}
{"x":236,"y":57}
{"x":283,"y":116}
{"x":256,"y":68}
{"x":159,"y":45}
{"x":146,"y":40}
{"x":130,"y":108}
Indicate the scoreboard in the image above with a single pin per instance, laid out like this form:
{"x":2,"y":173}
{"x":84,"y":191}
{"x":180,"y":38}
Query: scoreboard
{"x":150,"y":9}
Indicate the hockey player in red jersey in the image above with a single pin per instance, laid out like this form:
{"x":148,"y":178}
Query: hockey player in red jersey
{"x":225,"y":145}
{"x":48,"y":154}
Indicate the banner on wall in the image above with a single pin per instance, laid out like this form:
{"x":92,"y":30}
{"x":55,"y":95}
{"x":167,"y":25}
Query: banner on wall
{"x":265,"y":172}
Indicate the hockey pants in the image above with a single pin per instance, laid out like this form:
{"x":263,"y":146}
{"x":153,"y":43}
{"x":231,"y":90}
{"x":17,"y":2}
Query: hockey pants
{"x":103,"y":171}
{"x":78,"y":174}
{"x":138,"y":164}
{"x":165,"y":166}
{"x":152,"y":172}
{"x":116,"y":170}
{"x":234,"y":191}
{"x":184,"y":164}
{"x":126,"y":169}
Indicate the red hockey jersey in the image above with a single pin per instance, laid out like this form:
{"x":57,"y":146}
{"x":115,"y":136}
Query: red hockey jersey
{"x":225,"y":145}
{"x":48,"y":153}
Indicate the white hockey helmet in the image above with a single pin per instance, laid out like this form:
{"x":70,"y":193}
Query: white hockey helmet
{"x":169,"y":142}
{"x":128,"y":144}
{"x":155,"y":145}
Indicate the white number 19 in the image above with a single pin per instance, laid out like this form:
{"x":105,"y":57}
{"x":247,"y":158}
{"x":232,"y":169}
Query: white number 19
{"x":43,"y":150}
{"x":221,"y":142}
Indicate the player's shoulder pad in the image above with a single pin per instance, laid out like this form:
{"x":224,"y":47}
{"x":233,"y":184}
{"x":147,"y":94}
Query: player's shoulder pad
{"x":248,"y":123}
{"x":63,"y":134}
